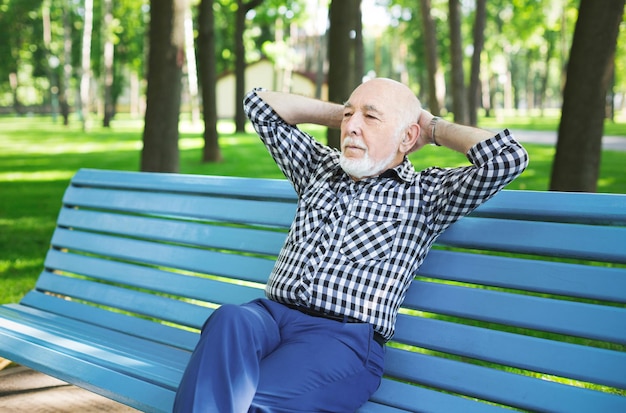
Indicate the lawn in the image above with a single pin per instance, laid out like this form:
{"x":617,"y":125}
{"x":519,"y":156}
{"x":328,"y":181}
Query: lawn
{"x":38,"y":158}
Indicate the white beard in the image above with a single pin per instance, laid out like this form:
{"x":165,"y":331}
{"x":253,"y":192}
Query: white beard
{"x":365,"y":166}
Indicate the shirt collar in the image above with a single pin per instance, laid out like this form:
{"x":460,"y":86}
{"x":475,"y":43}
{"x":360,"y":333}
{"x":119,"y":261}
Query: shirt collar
{"x":403,"y":172}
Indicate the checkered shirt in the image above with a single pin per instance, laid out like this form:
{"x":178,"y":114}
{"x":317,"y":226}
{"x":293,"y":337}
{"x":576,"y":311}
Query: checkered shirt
{"x":354,"y":246}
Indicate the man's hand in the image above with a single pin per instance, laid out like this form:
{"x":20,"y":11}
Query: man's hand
{"x":425,"y":137}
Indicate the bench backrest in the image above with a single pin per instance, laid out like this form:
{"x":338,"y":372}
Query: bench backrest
{"x":521,"y":304}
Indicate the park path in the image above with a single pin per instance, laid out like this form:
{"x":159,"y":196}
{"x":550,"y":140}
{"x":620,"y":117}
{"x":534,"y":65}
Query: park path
{"x":24,"y":390}
{"x":610,"y":143}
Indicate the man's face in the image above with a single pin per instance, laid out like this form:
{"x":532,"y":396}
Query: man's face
{"x":370,"y":132}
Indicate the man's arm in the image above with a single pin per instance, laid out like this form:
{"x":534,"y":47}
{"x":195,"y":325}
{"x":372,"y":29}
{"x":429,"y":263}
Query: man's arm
{"x":451,"y":135}
{"x":296,"y":109}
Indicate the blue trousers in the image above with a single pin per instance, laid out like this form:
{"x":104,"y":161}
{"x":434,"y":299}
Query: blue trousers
{"x":265,"y":357}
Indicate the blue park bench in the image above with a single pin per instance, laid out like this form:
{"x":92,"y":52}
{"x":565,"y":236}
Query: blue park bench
{"x":520,"y":305}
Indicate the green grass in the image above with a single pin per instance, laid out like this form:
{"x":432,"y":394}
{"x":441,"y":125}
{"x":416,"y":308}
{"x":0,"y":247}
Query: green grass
{"x":38,"y":158}
{"x":549,"y":121}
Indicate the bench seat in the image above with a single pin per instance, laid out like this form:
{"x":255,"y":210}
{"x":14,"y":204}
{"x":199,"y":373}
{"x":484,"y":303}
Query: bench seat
{"x":520,"y":305}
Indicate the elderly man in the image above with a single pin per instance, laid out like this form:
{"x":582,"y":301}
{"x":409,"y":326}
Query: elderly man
{"x":365,"y":221}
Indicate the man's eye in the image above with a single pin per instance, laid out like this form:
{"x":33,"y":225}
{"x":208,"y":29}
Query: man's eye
{"x":369,"y":116}
{"x":347,"y":115}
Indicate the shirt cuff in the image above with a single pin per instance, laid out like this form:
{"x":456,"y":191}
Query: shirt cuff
{"x":485,"y":150}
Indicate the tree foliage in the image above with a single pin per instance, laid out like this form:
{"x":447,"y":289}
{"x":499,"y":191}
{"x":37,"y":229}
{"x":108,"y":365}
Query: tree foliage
{"x":519,"y":63}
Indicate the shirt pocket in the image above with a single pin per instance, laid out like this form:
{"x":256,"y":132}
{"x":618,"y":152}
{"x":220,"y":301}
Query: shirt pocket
{"x":371,"y":230}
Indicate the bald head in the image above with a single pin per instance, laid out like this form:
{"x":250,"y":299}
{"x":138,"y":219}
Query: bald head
{"x":392,"y":97}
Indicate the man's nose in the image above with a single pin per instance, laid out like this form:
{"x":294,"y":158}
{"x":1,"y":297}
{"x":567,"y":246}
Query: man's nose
{"x":353,"y":125}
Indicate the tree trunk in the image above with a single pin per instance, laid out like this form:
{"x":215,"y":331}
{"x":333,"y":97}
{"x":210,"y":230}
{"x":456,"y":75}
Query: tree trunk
{"x":579,"y":147}
{"x":160,"y":135}
{"x":240,"y":60}
{"x":459,"y":99}
{"x":67,"y":66}
{"x":240,"y":66}
{"x":85,"y":72}
{"x":192,"y":72}
{"x":342,"y":55}
{"x":479,"y":42}
{"x":208,"y":80}
{"x":432,"y":61}
{"x":109,"y":107}
{"x":53,"y":60}
{"x":359,"y":50}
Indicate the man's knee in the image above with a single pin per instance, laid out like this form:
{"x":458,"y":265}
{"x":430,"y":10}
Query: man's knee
{"x":225,"y":315}
{"x":244,"y":321}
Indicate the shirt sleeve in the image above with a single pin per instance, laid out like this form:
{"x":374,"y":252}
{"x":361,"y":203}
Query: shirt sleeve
{"x":296,"y":153}
{"x":454,"y":192}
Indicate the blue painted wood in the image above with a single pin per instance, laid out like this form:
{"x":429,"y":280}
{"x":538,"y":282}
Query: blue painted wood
{"x":271,"y":189}
{"x":594,"y":209}
{"x":586,"y":242}
{"x":202,"y":261}
{"x":36,"y":352}
{"x":558,"y":316}
{"x":139,"y":260}
{"x":557,"y":358}
{"x":498,"y":386}
{"x":245,"y":211}
{"x":159,"y":281}
{"x":155,"y":362}
{"x":262,"y":241}
{"x":408,"y":397}
{"x":564,"y":279}
{"x":149,"y":305}
{"x":116,"y":271}
{"x":123,"y":323}
{"x":371,"y":407}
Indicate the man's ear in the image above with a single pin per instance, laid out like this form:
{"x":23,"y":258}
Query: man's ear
{"x":410,"y":138}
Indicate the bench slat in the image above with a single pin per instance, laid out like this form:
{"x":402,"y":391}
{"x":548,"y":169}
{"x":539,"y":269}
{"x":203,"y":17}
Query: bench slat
{"x":574,"y":280}
{"x":149,"y":305}
{"x":123,"y":323}
{"x":529,"y":353}
{"x":555,"y":206}
{"x":159,"y":281}
{"x":542,"y":238}
{"x":127,"y":300}
{"x":406,"y":396}
{"x":564,"y":317}
{"x":243,"y":267}
{"x":156,"y":364}
{"x":371,"y":407}
{"x":248,"y":188}
{"x":163,"y":204}
{"x":111,"y":383}
{"x":498,"y":386}
{"x":108,"y":347}
{"x":167,"y":230}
